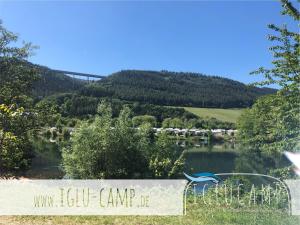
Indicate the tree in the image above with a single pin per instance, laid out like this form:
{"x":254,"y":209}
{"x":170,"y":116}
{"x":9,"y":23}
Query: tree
{"x":273,"y":122}
{"x":109,"y":148}
{"x":174,"y":123}
{"x":15,"y":148}
{"x":166,"y":159}
{"x":139,"y":120}
{"x":171,"y":88}
{"x":286,"y":71}
{"x":105,"y":149}
{"x":16,"y":75}
{"x":16,"y":114}
{"x":166,"y":123}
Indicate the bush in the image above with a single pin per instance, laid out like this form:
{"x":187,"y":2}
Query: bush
{"x":72,"y":123}
{"x":15,"y":152}
{"x":15,"y":148}
{"x":98,"y":151}
{"x":109,"y":148}
{"x":139,"y":120}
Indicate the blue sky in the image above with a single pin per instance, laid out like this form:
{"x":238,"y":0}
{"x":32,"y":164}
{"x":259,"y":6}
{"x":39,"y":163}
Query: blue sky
{"x":225,"y":38}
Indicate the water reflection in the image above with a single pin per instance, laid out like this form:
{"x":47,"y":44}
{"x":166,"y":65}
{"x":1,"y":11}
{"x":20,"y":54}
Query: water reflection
{"x":229,"y":157}
{"x":201,"y":156}
{"x":47,"y":160}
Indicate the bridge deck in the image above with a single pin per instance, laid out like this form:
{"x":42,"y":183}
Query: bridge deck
{"x":79,"y":74}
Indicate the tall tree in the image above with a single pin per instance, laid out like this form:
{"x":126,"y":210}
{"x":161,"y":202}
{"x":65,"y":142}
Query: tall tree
{"x":16,"y":115}
{"x":286,"y":50}
{"x":273,"y":123}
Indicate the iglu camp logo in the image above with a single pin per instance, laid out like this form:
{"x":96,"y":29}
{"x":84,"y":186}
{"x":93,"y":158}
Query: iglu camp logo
{"x":272,"y":193}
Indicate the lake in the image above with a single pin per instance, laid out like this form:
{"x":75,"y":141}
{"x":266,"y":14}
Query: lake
{"x":200,"y":157}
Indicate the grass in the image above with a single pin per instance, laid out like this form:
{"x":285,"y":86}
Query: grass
{"x":199,"y":215}
{"x":228,"y":115}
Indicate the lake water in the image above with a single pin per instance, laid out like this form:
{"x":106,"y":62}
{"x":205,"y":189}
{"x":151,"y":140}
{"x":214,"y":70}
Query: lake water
{"x":226,"y":158}
{"x":47,"y":161}
{"x":200,"y":157}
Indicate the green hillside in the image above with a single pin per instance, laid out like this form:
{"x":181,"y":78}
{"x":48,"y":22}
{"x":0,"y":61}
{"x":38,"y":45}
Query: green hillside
{"x":179,"y":89}
{"x":51,"y":82}
{"x":229,"y":115}
{"x":154,"y":87}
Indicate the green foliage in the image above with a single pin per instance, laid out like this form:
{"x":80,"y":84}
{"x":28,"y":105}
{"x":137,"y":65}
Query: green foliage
{"x":109,"y":148}
{"x":165,"y":160}
{"x":176,"y":89}
{"x":48,"y":113}
{"x":286,"y":52}
{"x":269,"y":125}
{"x":16,"y":76}
{"x":166,"y":123}
{"x":160,"y":112}
{"x":74,"y":105}
{"x":100,"y":150}
{"x":139,"y":120}
{"x":174,"y":123}
{"x":65,"y":133}
{"x":72,"y":123}
{"x":94,"y":90}
{"x":52,"y":82}
{"x":17,"y":116}
{"x":177,"y":123}
{"x":272,"y":124}
{"x":48,"y":133}
{"x":283,"y":173}
{"x":15,"y":149}
{"x":159,"y":88}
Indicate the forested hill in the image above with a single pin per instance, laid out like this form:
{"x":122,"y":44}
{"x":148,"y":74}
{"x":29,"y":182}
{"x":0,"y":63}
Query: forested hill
{"x":161,"y":88}
{"x":51,"y":82}
{"x":178,"y":89}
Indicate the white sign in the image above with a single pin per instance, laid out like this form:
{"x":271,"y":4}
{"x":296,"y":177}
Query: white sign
{"x":294,"y":189}
{"x":92,"y":197}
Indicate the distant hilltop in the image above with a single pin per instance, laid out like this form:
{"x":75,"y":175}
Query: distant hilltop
{"x":156,"y":87}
